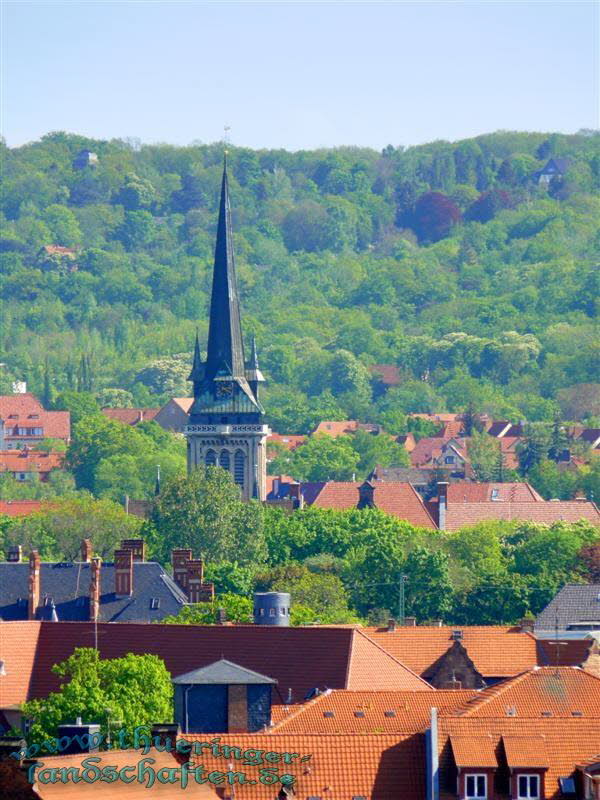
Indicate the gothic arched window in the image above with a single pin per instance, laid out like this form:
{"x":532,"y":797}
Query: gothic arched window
{"x":224,"y":459}
{"x":210,"y":459}
{"x":239,"y":463}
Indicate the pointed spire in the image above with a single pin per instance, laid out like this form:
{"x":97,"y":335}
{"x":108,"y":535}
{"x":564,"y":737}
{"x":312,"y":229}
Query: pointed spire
{"x":225,"y":346}
{"x":197,"y":372}
{"x":253,"y":374}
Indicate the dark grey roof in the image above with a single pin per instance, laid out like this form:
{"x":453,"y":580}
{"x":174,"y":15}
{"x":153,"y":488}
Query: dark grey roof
{"x":68,"y":585}
{"x":223,"y":672}
{"x":412,"y":475}
{"x":574,"y":603}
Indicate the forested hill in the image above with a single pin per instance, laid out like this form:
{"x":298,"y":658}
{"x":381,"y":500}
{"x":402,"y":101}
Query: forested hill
{"x":448,"y":260}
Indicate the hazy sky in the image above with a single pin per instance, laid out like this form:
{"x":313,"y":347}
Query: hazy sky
{"x":297,"y":75}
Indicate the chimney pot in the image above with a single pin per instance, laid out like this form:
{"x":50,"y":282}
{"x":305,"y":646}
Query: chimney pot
{"x":15,"y":552}
{"x":95,"y":589}
{"x":123,"y":572}
{"x":86,"y":550}
{"x":34,"y":584}
{"x":391,"y":625}
{"x":137,"y":547}
{"x":197,"y":590}
{"x":179,"y":562}
{"x":410,"y":622}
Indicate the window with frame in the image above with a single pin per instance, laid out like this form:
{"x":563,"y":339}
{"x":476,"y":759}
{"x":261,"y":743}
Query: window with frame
{"x":476,"y":787}
{"x":528,"y":787}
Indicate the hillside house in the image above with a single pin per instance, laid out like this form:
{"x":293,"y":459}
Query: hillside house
{"x":24,"y":421}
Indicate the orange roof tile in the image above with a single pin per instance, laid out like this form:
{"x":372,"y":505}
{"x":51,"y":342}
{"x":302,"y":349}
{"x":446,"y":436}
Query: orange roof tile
{"x":567,"y":742}
{"x":339,"y":768}
{"x":496,"y":651}
{"x":288,"y":440}
{"x":336,"y":428}
{"x":18,"y":645}
{"x":525,"y":751}
{"x":461,"y":515}
{"x":131,"y":416}
{"x":468,"y":492}
{"x":367,"y":711}
{"x":474,"y":751}
{"x":563,"y":652}
{"x":388,"y":374}
{"x":399,"y":499}
{"x":544,"y":691}
{"x":20,"y":508}
{"x":30,"y":461}
{"x":185,"y":403}
{"x":26,"y":411}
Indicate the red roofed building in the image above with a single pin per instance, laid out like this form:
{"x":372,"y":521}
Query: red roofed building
{"x":173,"y":416}
{"x":289,"y":441}
{"x":28,"y":465}
{"x":23,"y":420}
{"x":131,"y":416}
{"x":20,"y":508}
{"x":467,"y":492}
{"x":399,"y":499}
{"x":461,"y":515}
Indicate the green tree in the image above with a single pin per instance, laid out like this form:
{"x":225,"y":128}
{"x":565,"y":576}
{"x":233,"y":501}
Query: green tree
{"x":483,"y":454}
{"x":204,"y":511}
{"x":237,"y":609}
{"x":134,"y":690}
{"x":324,"y":458}
{"x":377,"y":449}
{"x":533,"y":448}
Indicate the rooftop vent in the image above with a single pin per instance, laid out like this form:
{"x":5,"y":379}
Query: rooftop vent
{"x":359,"y":713}
{"x":511,"y":711}
{"x":577,"y":713}
{"x":389,"y":713}
{"x":457,"y":636}
{"x":328,"y":714}
{"x":155,"y":603}
{"x":546,"y":713}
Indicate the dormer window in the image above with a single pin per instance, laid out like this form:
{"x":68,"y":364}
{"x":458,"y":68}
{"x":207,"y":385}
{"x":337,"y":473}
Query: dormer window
{"x":476,"y":786}
{"x":528,"y":787}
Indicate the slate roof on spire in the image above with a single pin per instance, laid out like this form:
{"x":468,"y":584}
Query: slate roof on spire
{"x":253,"y":372}
{"x":225,"y":352}
{"x":197,"y":372}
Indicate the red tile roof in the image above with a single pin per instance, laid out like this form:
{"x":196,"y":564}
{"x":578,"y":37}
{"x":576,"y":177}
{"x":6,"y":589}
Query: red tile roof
{"x":184,"y":403}
{"x":525,"y":751}
{"x":25,"y":411}
{"x":544,"y":691}
{"x":18,"y":646}
{"x":288,"y":440}
{"x":30,"y":461}
{"x":562,"y":743}
{"x":461,"y":515}
{"x":496,"y":651}
{"x":336,"y":428}
{"x":468,"y":492}
{"x":388,"y":374}
{"x":340,"y":767}
{"x":299,"y":658}
{"x":399,"y":499}
{"x":59,"y":250}
{"x":378,"y":712}
{"x":563,"y":652}
{"x":508,"y":445}
{"x":473,"y":751}
{"x":131,"y":416}
{"x":20,"y":508}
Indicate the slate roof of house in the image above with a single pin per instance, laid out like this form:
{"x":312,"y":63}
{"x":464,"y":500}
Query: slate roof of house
{"x":399,"y":499}
{"x":222,"y":672}
{"x":131,"y":416}
{"x":468,"y":492}
{"x":591,"y":436}
{"x":68,"y":584}
{"x":412,"y":475}
{"x":341,"y":767}
{"x":30,"y":461}
{"x":21,"y":508}
{"x":496,"y":651}
{"x":25,"y":410}
{"x":299,"y":658}
{"x":573,"y":603}
{"x":461,"y":515}
{"x":559,"y":743}
{"x":343,"y":711}
{"x":565,"y":692}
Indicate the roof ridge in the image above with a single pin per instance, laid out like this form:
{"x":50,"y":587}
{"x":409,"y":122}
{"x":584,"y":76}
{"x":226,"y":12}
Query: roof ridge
{"x":490,"y":693}
{"x":387,"y":653}
{"x":302,"y":707}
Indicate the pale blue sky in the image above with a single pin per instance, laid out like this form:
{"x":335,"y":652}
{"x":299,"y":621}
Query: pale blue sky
{"x":297,"y":75}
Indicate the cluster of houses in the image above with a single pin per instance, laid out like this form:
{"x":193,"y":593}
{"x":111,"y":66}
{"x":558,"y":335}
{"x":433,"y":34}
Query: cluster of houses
{"x":397,"y":711}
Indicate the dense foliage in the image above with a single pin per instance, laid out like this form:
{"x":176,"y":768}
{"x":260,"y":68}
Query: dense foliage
{"x":448,"y":260}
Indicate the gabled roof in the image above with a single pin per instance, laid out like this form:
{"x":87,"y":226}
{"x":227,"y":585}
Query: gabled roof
{"x":574,"y":603}
{"x":30,"y":461}
{"x":222,"y":672}
{"x":25,"y":410}
{"x":388,"y":374}
{"x":21,"y":508}
{"x":564,"y":652}
{"x":184,"y":403}
{"x":496,"y":651}
{"x":461,"y":515}
{"x":18,"y":648}
{"x":336,"y":428}
{"x":413,"y":475}
{"x":68,"y":585}
{"x":561,"y":744}
{"x":473,"y":751}
{"x":468,"y":492}
{"x":591,"y":436}
{"x":299,"y":658}
{"x":543,"y":691}
{"x":399,"y":499}
{"x":288,"y":440}
{"x":344,"y":711}
{"x":339,"y":767}
{"x":131,"y":416}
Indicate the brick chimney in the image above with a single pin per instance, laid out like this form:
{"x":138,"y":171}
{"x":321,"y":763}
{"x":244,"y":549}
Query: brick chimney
{"x":86,"y":550}
{"x":95,"y":589}
{"x":179,"y":561}
{"x":366,"y":495}
{"x":34,"y":584}
{"x":137,"y":547}
{"x":391,"y":625}
{"x":197,"y":590}
{"x":410,"y":622}
{"x":442,"y":488}
{"x":526,"y":624}
{"x":123,"y":572}
{"x":14,"y":553}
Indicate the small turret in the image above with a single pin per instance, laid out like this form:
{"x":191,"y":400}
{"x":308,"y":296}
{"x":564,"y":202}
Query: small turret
{"x":253,"y":374}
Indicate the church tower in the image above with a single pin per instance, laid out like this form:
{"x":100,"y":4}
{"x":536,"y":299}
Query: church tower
{"x":226,"y":421}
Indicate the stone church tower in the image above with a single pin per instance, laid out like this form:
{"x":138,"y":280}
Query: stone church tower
{"x":226,"y":421}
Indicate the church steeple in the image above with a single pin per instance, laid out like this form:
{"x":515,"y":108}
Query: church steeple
{"x":225,"y":352}
{"x":197,"y":373}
